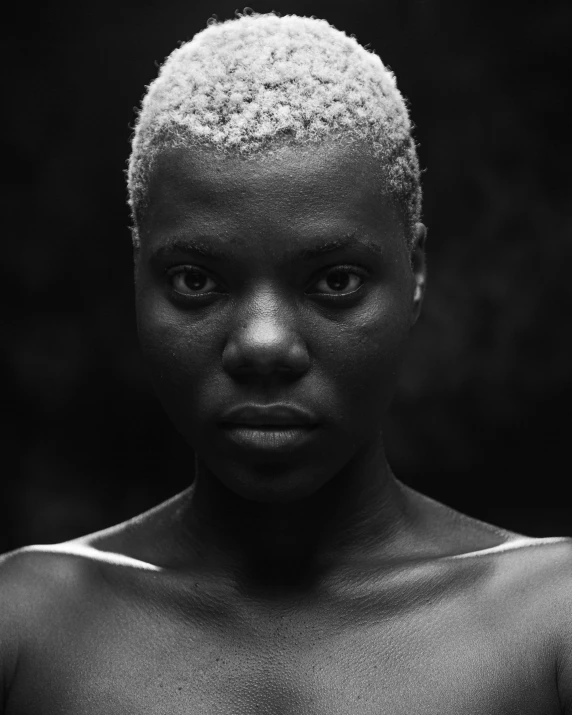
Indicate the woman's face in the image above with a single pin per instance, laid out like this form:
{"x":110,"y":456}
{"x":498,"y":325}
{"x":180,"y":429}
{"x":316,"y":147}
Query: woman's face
{"x":282,"y":285}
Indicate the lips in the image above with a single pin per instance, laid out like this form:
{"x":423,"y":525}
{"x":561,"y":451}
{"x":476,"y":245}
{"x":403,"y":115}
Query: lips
{"x":278,"y":415}
{"x":269,"y":429}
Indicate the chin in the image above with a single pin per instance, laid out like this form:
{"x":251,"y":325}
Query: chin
{"x":271,"y":484}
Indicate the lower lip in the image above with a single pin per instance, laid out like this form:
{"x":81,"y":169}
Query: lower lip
{"x":269,"y":438}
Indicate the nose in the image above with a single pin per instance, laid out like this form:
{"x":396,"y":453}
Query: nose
{"x":265,"y":341}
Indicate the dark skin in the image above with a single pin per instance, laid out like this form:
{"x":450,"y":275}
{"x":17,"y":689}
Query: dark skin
{"x":296,"y":574}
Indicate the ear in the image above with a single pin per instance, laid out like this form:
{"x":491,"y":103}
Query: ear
{"x":419,"y":269}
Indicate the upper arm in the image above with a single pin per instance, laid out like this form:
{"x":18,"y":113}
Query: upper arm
{"x":14,"y":601}
{"x":558,"y":607}
{"x":564,"y":657}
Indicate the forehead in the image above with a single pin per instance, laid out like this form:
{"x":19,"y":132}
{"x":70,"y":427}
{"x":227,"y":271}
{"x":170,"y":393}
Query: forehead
{"x":312,"y":190}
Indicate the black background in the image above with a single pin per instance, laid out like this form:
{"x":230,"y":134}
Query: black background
{"x":481,"y":419}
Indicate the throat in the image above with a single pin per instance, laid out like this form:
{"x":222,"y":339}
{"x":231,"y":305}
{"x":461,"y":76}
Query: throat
{"x":273,"y":549}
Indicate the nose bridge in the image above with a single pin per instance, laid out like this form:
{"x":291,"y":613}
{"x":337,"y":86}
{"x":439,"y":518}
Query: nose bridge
{"x":265,"y":336}
{"x":265,"y":317}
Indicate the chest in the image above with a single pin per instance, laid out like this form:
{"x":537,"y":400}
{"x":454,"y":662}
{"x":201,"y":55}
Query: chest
{"x":446,"y":658}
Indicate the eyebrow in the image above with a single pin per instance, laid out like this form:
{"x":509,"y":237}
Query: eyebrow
{"x":337,"y":244}
{"x":207,"y":249}
{"x":175,"y":246}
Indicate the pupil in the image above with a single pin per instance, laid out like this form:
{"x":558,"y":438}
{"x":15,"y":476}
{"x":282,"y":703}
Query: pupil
{"x":338,"y":280}
{"x":195,"y":280}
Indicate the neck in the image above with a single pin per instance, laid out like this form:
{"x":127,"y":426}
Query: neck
{"x":360,"y":512}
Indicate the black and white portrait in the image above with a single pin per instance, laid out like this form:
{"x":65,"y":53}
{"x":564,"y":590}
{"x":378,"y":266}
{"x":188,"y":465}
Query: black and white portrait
{"x":287,"y":360}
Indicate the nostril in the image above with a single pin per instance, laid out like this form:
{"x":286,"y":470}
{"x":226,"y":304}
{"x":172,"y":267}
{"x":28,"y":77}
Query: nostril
{"x":264,"y":352}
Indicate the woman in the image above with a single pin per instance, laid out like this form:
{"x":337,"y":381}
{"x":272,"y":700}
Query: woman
{"x":279,"y":269}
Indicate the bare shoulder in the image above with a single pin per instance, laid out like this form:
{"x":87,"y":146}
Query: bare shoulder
{"x":533,"y":561}
{"x":538,"y":578}
{"x":533,"y":575}
{"x":51,"y":563}
{"x":509,"y":562}
{"x":36,"y":583}
{"x":46,"y":590}
{"x":36,"y":579}
{"x":31,"y":577}
{"x":543,"y":568}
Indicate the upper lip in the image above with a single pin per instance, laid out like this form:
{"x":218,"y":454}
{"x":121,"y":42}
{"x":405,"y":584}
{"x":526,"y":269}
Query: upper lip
{"x":279,"y":414}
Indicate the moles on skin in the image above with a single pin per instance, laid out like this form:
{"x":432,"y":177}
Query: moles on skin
{"x":296,"y":574}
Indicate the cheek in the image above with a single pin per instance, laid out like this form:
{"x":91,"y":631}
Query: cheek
{"x":362,"y":360}
{"x":184,"y":367}
{"x":179,"y":352}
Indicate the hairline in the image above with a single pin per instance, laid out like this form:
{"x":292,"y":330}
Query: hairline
{"x":265,"y":152}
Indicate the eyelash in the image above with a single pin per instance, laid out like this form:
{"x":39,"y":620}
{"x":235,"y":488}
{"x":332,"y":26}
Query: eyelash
{"x":349,"y":270}
{"x":182,"y":270}
{"x":172,"y":273}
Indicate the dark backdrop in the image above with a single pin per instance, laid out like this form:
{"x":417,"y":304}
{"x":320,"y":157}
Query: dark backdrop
{"x":481,"y":420}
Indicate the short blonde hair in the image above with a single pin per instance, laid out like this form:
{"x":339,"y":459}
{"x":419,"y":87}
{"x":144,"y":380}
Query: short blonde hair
{"x":246,"y":84}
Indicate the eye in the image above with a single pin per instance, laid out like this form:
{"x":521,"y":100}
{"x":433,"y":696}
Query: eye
{"x":191,"y":280}
{"x":339,"y":281}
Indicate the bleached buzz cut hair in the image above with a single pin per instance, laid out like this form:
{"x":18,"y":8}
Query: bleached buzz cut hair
{"x":246,"y":85}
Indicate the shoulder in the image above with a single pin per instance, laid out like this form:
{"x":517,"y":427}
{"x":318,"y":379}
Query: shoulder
{"x":522,"y":590}
{"x":542,"y":577}
{"x":528,"y":563}
{"x":36,"y":578}
{"x":30,"y":576}
{"x":37,"y":584}
{"x":522,"y":581}
{"x":526,"y":566}
{"x":530,"y":581}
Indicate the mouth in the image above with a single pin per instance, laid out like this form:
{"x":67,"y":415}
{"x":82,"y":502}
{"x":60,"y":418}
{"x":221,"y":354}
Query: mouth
{"x":269,"y":427}
{"x":269,"y":416}
{"x":269,"y":437}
